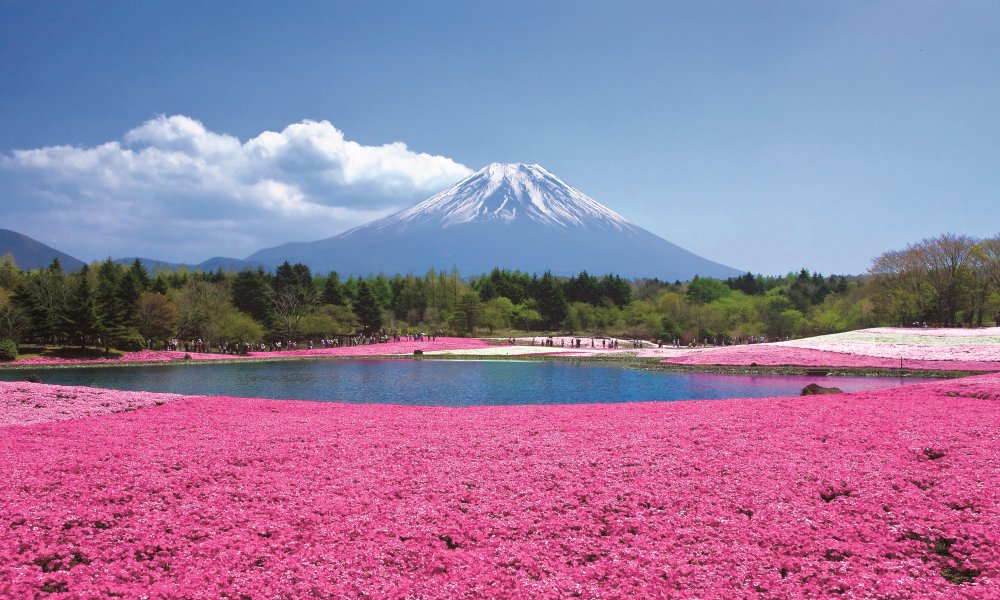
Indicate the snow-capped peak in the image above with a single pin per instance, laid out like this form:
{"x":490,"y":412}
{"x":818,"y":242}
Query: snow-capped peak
{"x":511,"y":192}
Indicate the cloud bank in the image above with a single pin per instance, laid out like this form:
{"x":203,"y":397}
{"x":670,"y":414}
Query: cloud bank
{"x":174,"y":190}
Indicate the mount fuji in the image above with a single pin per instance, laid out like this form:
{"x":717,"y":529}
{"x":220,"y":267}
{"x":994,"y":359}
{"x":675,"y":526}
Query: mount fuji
{"x":512,"y":216}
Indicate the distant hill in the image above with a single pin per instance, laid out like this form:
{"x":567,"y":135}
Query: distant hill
{"x":512,"y":216}
{"x":31,"y":254}
{"x":212,"y":264}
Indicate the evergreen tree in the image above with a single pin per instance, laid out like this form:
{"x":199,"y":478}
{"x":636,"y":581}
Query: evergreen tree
{"x":616,"y":289}
{"x":83,"y":310}
{"x":583,"y":288}
{"x":333,"y":292}
{"x":110,"y":313}
{"x":551,"y":301}
{"x":367,"y":308}
{"x":249,"y":293}
{"x":141,"y":275}
{"x":159,"y":285}
{"x":129,"y":291}
{"x":42,"y":296}
{"x":470,"y":311}
{"x":288,"y":276}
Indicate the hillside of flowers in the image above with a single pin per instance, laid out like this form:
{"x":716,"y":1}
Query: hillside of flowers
{"x":891,"y":348}
{"x":888,"y":494}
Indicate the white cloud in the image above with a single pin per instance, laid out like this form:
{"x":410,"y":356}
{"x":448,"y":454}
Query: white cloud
{"x":174,"y":190}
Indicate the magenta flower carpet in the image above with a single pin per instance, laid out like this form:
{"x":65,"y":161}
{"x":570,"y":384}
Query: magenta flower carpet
{"x":886,"y":494}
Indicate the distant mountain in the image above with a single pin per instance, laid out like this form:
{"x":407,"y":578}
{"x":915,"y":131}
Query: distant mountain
{"x":513,"y":216}
{"x":31,"y":254}
{"x":212,"y":264}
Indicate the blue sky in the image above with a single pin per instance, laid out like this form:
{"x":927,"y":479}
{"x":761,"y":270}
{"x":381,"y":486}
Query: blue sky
{"x":769,"y":136}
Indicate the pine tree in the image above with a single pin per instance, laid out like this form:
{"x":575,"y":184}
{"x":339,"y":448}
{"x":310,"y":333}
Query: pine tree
{"x":470,"y":311}
{"x":83,"y":310}
{"x":42,"y":296}
{"x":250,"y":294}
{"x":159,"y":286}
{"x":367,"y":309}
{"x":551,"y":300}
{"x":129,"y":291}
{"x":333,"y":292}
{"x":141,"y":275}
{"x":110,"y":313}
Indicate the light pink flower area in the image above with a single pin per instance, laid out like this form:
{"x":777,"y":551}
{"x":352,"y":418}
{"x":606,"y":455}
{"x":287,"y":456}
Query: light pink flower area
{"x":771,"y":355}
{"x":23,"y":403}
{"x":884,"y":348}
{"x":888,"y":494}
{"x":389,"y":348}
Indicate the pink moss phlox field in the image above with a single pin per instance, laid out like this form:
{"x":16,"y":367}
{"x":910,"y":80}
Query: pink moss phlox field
{"x":936,"y":331}
{"x":768,"y":355}
{"x":886,"y":494}
{"x":24,"y":403}
{"x":883,"y":348}
{"x":388,"y":348}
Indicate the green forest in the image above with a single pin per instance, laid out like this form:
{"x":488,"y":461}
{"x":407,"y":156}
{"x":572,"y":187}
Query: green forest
{"x":949,"y":280}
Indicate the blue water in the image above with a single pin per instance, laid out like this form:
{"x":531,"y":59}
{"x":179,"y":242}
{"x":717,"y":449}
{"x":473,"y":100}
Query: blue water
{"x":442,"y":383}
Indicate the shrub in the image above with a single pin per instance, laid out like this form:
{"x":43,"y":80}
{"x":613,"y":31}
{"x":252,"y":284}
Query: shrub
{"x":132,"y":341}
{"x":8,"y":351}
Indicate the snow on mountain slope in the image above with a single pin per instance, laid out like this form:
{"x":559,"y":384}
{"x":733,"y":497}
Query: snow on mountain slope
{"x":510,"y":192}
{"x":513,"y":216}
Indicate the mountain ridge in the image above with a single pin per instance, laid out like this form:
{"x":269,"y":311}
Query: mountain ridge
{"x":30,"y":254}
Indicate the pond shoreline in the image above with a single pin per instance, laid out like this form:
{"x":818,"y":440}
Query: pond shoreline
{"x":651,"y":364}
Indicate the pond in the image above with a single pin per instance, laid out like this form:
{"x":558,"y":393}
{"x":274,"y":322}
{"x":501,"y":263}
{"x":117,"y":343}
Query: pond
{"x":443,"y":382}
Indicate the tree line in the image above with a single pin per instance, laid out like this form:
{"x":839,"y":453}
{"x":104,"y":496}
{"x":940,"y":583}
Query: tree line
{"x":947,"y":280}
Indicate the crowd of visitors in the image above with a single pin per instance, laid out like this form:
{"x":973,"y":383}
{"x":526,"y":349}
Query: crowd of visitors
{"x":229,"y":347}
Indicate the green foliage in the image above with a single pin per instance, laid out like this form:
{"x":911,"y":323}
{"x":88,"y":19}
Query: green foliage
{"x":946,"y":280}
{"x":525,"y":317}
{"x":108,"y":300}
{"x":470,"y":310}
{"x":503,"y":283}
{"x":249,"y":293}
{"x":83,"y":309}
{"x":42,"y":296}
{"x":10,"y":275}
{"x":703,"y":290}
{"x":333,"y":292}
{"x":112,"y":316}
{"x":367,"y":308}
{"x":8,"y":350}
{"x":130,"y":341}
{"x":551,"y":300}
{"x":328,"y":321}
{"x":292,"y":295}
{"x":140,"y":275}
{"x":156,"y":316}
{"x":497,"y":313}
{"x":234,"y":326}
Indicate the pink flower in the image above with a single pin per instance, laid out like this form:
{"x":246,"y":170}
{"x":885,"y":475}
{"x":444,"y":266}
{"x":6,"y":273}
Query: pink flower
{"x":888,"y":493}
